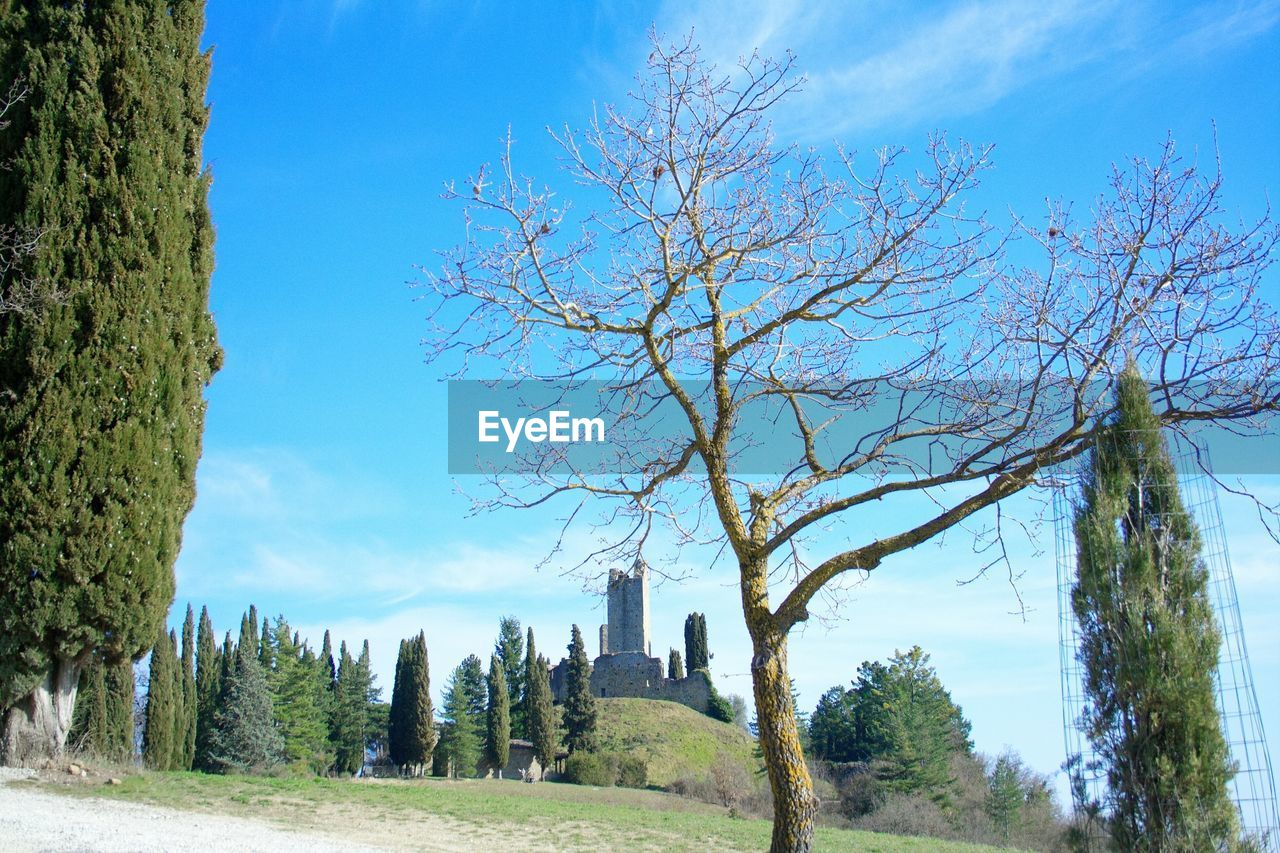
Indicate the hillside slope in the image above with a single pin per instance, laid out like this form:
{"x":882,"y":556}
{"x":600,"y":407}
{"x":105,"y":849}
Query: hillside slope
{"x":673,"y":740}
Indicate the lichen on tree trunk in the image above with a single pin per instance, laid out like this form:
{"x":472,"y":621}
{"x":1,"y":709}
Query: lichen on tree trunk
{"x":795,"y":807}
{"x":34,"y":728}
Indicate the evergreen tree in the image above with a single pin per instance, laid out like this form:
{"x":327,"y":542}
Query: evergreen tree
{"x":160,"y":736}
{"x":326,"y":659}
{"x":579,"y":704}
{"x":471,"y":672}
{"x":298,"y":699}
{"x":101,"y":422}
{"x":460,"y":740}
{"x":189,"y":709}
{"x":695,"y":642}
{"x":208,"y":682}
{"x":675,"y":665}
{"x":1005,"y":796}
{"x":510,"y":651}
{"x":245,"y":738}
{"x":539,"y":713}
{"x":497,"y":717}
{"x":349,"y":715}
{"x":412,"y":734}
{"x":397,"y":716}
{"x":372,"y":693}
{"x":1148,"y":642}
{"x":103,"y":724}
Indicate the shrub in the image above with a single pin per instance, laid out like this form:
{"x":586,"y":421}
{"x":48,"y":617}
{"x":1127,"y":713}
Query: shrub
{"x":633,"y":772}
{"x":592,"y":768}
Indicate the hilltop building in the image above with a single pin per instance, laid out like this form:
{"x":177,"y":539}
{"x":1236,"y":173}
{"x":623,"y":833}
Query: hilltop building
{"x":626,"y":667}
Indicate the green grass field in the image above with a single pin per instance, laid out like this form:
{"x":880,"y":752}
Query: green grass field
{"x":478,"y":814}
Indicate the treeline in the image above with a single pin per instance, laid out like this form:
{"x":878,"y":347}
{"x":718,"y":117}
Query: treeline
{"x":482,"y":712}
{"x":251,"y":705}
{"x":896,"y":749}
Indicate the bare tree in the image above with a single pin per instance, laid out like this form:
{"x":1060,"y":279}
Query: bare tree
{"x":725,"y":269}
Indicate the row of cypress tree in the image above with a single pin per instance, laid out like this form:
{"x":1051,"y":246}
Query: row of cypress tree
{"x":482,"y":712}
{"x":245,"y":706}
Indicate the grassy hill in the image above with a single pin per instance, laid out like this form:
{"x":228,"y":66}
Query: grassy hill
{"x":673,"y":740}
{"x":439,"y":814}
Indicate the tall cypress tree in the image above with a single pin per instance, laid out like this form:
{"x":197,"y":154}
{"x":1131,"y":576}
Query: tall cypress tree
{"x":397,"y":715}
{"x":1148,"y":644}
{"x":103,"y":723}
{"x":100,"y":429}
{"x":510,"y":651}
{"x":541,"y":714}
{"x":579,"y":704}
{"x":695,"y":642}
{"x":189,"y":700}
{"x":422,"y":722}
{"x":497,"y":717}
{"x":208,"y":677}
{"x":159,"y":737}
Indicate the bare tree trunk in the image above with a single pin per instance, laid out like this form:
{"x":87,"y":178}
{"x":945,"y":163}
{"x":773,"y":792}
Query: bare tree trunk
{"x":35,"y":727}
{"x":795,"y":807}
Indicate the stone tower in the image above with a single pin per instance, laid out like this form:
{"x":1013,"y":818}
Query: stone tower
{"x":628,"y":628}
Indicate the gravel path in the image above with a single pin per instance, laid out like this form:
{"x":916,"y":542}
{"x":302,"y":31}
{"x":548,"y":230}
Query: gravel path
{"x":31,"y":820}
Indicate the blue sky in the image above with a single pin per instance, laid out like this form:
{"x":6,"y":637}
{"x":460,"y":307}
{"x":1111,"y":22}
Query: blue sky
{"x":323,"y":491}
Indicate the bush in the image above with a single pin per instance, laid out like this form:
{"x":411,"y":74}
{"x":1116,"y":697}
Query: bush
{"x":633,"y":772}
{"x":592,"y":768}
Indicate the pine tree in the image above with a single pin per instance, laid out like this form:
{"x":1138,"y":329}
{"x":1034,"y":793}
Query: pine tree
{"x":460,"y":742}
{"x":675,"y":665}
{"x":1005,"y":796}
{"x":298,"y":699}
{"x":160,"y":736}
{"x":189,"y":700}
{"x":245,"y":738}
{"x":579,"y":704}
{"x":1148,"y":642}
{"x":497,"y":717}
{"x":510,"y":651}
{"x":100,"y":429}
{"x":349,"y":714}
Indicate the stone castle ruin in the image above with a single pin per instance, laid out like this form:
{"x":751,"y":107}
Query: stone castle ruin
{"x":626,"y":667}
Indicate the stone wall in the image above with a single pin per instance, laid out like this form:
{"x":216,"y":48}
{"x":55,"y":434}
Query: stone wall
{"x":633,"y":675}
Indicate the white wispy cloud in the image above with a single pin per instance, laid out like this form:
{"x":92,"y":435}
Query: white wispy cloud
{"x":881,"y":65}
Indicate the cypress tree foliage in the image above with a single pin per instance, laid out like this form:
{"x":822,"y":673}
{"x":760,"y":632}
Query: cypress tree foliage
{"x":160,"y":744}
{"x":100,"y":431}
{"x":695,"y":642}
{"x":372,"y":694}
{"x":208,"y":677}
{"x":1148,"y":643}
{"x":189,"y":700}
{"x":510,"y":651}
{"x":397,"y":716}
{"x":528,"y":697}
{"x":422,"y":726}
{"x":541,"y":714}
{"x":579,"y":704}
{"x":265,"y":647}
{"x":248,"y":631}
{"x":675,"y":665}
{"x":497,"y":717}
{"x":411,"y":727}
{"x":103,"y":724}
{"x":326,"y":659}
{"x":460,"y":741}
{"x":245,"y":738}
